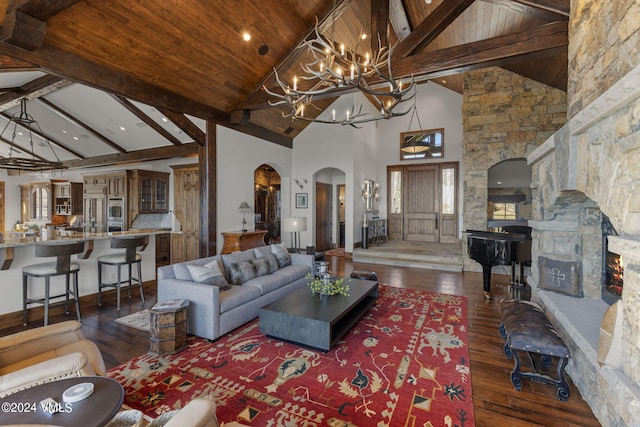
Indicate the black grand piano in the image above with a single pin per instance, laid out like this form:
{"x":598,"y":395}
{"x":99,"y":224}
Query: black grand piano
{"x":490,"y":248}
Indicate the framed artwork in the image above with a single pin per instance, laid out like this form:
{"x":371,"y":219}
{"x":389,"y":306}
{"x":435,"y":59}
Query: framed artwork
{"x":422,"y":144}
{"x":302,"y":200}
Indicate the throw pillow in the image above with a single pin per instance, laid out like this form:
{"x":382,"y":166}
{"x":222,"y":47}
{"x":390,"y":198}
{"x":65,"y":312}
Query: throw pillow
{"x":235,"y":257}
{"x":244,"y":271}
{"x":282,"y":255}
{"x":560,"y":276}
{"x":261,"y":251}
{"x":209,"y":274}
{"x":610,"y":345}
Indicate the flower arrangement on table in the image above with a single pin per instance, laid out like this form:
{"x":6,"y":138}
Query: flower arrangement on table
{"x":328,"y":285}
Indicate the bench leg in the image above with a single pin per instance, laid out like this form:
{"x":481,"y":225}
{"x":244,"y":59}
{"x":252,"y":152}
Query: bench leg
{"x":563,"y":387}
{"x":516,"y":380}
{"x":503,"y":331}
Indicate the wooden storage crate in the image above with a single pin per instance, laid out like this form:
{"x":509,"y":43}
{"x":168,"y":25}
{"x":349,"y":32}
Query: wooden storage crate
{"x":168,"y":330}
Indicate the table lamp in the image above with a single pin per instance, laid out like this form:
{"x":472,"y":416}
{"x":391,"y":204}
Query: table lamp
{"x":295,"y":226}
{"x":244,"y":209}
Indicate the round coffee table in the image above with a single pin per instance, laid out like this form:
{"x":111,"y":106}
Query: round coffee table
{"x":98,"y":409}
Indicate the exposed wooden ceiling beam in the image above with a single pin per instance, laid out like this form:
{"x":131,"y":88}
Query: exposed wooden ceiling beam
{"x":33,"y":89}
{"x":432,"y":26}
{"x":558,"y":7}
{"x":47,"y":138}
{"x":149,"y":154}
{"x":82,"y":124}
{"x":40,"y":9}
{"x":25,"y":23}
{"x":17,"y":147}
{"x":148,"y":120}
{"x":185,"y":124}
{"x":485,"y":53}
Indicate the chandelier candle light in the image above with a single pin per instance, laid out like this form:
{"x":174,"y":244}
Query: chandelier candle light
{"x":335,"y":68}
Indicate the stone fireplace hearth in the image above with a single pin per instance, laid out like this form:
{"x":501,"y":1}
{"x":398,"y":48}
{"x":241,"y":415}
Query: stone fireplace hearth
{"x":588,"y":168}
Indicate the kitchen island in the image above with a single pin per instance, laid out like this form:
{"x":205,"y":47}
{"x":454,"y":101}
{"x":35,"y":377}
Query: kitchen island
{"x":17,"y":250}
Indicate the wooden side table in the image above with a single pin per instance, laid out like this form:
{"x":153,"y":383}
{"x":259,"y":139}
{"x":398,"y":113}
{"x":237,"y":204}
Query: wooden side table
{"x":239,"y":241}
{"x":168,"y":328}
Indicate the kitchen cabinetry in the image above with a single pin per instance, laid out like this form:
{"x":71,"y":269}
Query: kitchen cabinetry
{"x":117,"y":185}
{"x":76,"y":198}
{"x":147,"y":192}
{"x":36,"y":201}
{"x":185,"y":246}
{"x":163,"y":249}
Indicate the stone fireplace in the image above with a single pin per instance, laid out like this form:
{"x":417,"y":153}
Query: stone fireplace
{"x":588,"y":169}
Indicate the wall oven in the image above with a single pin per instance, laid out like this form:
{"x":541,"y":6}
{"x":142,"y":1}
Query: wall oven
{"x":115,"y":214}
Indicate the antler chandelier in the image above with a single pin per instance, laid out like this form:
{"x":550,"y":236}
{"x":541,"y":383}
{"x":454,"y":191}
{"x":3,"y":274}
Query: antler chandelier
{"x":335,"y":68}
{"x":34,"y":163}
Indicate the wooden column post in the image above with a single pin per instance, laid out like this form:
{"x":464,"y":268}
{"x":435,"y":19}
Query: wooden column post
{"x":207,"y":157}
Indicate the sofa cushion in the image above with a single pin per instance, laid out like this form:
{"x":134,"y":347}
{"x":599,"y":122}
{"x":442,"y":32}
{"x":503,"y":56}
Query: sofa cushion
{"x":228,"y":259}
{"x":181,"y":272}
{"x":262,"y":251}
{"x":267,"y":283}
{"x":237,"y":296}
{"x":209,"y":274}
{"x":281,"y":254}
{"x":243,"y":271}
{"x":293,"y":272}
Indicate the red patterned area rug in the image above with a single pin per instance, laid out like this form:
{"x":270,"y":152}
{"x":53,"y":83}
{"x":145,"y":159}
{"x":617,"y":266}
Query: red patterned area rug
{"x":405,"y":363}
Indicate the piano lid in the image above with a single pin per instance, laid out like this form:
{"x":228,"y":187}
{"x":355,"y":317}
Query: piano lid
{"x":495,"y":235}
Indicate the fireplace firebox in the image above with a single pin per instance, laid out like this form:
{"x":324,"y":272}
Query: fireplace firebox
{"x":612,"y":266}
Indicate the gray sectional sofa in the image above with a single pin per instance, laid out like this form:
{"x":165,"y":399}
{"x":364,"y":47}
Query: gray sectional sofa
{"x":227,"y":291}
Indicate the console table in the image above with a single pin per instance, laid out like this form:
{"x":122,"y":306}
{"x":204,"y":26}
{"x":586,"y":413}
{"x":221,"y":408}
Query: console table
{"x":239,"y":241}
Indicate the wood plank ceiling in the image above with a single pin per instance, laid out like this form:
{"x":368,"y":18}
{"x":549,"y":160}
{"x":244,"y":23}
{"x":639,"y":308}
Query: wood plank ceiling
{"x":181,"y":63}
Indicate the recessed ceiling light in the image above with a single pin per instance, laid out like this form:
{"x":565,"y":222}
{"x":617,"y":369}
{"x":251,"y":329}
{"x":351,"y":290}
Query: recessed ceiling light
{"x":76,"y":138}
{"x":20,"y":133}
{"x":64,"y":131}
{"x":164,"y":119}
{"x":122,"y":128}
{"x":363,"y":36}
{"x":499,"y":182}
{"x":246,"y":37}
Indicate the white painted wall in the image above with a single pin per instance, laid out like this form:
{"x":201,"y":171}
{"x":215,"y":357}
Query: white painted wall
{"x":238,"y":157}
{"x":365,"y":153}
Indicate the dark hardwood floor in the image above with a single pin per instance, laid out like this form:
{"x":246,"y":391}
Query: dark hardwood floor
{"x":496,"y":403}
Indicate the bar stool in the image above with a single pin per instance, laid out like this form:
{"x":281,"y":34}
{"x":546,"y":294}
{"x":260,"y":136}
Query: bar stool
{"x":62,"y":266}
{"x":129,"y":257}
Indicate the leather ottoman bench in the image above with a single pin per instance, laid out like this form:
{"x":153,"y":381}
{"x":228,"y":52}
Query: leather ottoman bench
{"x":528,"y":331}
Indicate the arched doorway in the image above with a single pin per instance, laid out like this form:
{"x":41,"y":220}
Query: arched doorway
{"x":267,"y":202}
{"x":508,"y":194}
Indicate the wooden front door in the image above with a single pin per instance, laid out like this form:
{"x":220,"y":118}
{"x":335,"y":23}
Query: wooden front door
{"x":422,"y":202}
{"x":324,"y":208}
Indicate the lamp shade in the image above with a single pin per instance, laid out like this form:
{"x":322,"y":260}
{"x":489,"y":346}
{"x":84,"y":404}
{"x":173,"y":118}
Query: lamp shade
{"x":244,"y":207}
{"x":294,"y":224}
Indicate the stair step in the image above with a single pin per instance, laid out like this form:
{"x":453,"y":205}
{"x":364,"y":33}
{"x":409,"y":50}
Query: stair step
{"x":431,"y":262}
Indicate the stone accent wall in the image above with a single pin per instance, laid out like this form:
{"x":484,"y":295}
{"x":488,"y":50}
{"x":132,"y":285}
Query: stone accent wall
{"x":592,"y":166}
{"x":505,"y":116}
{"x":603,"y":47}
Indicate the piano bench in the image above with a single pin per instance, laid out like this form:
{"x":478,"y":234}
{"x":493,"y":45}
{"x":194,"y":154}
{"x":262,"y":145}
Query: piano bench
{"x":528,"y":331}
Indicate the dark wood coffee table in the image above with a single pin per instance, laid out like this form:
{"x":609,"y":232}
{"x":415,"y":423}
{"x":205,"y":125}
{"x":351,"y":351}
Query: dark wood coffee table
{"x":96,"y":410}
{"x":317,"y":323}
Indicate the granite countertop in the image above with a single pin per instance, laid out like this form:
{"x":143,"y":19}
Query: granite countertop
{"x":15,"y":239}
